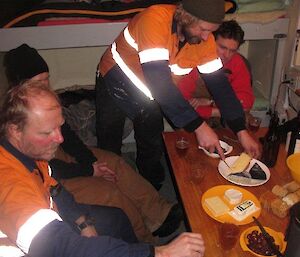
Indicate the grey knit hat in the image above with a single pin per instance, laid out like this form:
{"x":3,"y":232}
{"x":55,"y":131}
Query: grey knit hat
{"x":212,"y":11}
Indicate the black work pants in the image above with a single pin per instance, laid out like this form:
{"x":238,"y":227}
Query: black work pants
{"x":116,"y":98}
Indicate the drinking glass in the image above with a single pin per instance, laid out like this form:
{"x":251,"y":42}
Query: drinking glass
{"x":182,"y":145}
{"x":197,"y":175}
{"x":254,"y":123}
{"x":228,"y":235}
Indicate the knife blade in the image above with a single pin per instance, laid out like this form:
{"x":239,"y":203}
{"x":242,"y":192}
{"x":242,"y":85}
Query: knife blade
{"x":268,"y":238}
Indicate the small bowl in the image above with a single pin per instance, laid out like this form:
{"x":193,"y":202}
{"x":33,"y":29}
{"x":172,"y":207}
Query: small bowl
{"x":293,"y":162}
{"x":278,"y":237}
{"x":227,"y":150}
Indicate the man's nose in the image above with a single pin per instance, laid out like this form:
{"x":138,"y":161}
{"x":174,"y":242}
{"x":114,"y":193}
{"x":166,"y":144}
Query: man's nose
{"x":227,"y":53}
{"x":204,"y":35}
{"x":58,"y":138}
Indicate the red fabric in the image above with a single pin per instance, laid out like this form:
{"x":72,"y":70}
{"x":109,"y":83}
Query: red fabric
{"x":66,"y":21}
{"x":240,"y":81}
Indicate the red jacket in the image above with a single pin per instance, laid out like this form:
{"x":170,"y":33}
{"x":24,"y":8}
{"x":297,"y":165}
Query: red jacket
{"x":238,"y":76}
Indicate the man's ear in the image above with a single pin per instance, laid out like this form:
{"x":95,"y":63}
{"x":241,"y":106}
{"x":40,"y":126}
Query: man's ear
{"x":14,"y":131}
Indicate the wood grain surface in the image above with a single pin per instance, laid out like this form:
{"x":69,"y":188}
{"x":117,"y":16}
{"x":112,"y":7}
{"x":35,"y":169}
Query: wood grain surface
{"x":190,"y":190}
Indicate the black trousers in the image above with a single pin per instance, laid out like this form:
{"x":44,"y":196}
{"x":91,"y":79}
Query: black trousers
{"x":116,"y":98}
{"x":116,"y":238}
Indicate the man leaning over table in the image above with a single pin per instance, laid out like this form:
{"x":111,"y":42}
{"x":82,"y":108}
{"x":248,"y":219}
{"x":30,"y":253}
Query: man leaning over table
{"x":229,"y":36}
{"x":137,"y":78}
{"x":31,"y":118}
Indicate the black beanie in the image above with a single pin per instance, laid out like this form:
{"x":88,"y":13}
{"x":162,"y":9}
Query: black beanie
{"x":23,"y":63}
{"x":212,"y":11}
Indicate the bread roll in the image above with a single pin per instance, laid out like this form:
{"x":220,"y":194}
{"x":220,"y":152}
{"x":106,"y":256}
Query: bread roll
{"x":279,"y":208}
{"x":279,"y":191}
{"x":292,"y":186}
{"x":291,"y":199}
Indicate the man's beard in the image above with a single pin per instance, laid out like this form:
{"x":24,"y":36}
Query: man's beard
{"x":192,"y":40}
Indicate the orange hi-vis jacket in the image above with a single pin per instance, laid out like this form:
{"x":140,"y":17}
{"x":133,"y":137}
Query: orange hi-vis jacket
{"x":151,"y":36}
{"x":25,"y":202}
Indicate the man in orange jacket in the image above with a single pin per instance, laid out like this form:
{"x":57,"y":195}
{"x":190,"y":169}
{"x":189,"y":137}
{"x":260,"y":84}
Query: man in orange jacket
{"x":92,"y":175}
{"x":229,"y":37}
{"x":139,"y":72}
{"x":37,"y":213}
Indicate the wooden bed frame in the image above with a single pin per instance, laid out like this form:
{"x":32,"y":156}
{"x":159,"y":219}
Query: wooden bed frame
{"x":103,"y":34}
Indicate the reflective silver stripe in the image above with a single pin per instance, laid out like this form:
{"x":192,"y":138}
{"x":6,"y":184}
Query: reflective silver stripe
{"x":176,"y":70}
{"x":154,"y":54}
{"x":134,"y":79}
{"x":33,"y":226}
{"x":2,"y":235}
{"x":211,"y":66}
{"x":129,"y":39}
{"x":49,"y":171}
{"x":10,"y":251}
{"x":50,"y":174}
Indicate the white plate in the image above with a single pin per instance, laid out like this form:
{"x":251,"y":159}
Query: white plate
{"x":227,"y":149}
{"x":242,"y":181}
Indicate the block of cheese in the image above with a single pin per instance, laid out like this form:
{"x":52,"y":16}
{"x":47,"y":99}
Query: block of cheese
{"x":243,"y":210}
{"x":241,"y":163}
{"x":233,"y":196}
{"x":216,"y":205}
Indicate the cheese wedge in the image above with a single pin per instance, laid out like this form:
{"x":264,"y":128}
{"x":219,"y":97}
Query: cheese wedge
{"x":240,"y":163}
{"x":216,"y":205}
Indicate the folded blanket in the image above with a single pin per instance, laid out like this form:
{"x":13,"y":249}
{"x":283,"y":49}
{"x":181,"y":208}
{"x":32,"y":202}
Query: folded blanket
{"x":245,"y":6}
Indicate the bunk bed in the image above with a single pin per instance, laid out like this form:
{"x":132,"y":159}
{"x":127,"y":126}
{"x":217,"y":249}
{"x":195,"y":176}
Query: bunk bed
{"x":100,"y":28}
{"x":103,"y":24}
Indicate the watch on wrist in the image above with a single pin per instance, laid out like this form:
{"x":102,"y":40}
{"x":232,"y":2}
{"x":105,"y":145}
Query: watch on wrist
{"x":86,"y":223}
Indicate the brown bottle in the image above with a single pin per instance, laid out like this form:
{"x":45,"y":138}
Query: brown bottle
{"x":271,"y":142}
{"x":294,"y":145}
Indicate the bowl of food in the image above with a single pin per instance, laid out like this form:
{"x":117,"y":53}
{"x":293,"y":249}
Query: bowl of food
{"x":293,"y":162}
{"x":253,"y":241}
{"x":227,"y":149}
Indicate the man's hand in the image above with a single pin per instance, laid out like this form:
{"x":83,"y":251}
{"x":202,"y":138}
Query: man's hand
{"x":250,"y":145}
{"x":208,"y":139}
{"x":101,"y":170}
{"x":185,"y":245}
{"x":89,"y":231}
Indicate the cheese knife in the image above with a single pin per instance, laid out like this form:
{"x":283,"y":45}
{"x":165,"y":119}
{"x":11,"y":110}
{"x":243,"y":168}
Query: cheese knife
{"x":268,"y":238}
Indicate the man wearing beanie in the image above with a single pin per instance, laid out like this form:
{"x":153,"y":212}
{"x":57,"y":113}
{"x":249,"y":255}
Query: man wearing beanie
{"x":23,"y":56}
{"x":137,"y":78}
{"x":95,"y":176}
{"x":37,"y":227}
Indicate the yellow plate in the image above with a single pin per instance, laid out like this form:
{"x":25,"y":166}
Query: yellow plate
{"x":219,"y":191}
{"x":278,"y":237}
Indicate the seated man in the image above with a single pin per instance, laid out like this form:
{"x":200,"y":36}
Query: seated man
{"x":229,"y":37}
{"x":96,"y":176}
{"x":36,"y":212}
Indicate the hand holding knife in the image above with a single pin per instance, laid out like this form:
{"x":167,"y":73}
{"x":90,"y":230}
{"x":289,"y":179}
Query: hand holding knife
{"x":268,"y":238}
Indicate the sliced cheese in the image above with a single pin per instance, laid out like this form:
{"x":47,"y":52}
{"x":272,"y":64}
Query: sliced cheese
{"x":216,"y":205}
{"x":240,"y":163}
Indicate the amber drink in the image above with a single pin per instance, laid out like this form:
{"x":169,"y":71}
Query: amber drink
{"x":228,"y":235}
{"x":182,"y":145}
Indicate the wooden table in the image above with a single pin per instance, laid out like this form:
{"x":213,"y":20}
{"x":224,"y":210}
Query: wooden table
{"x":190,"y":191}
